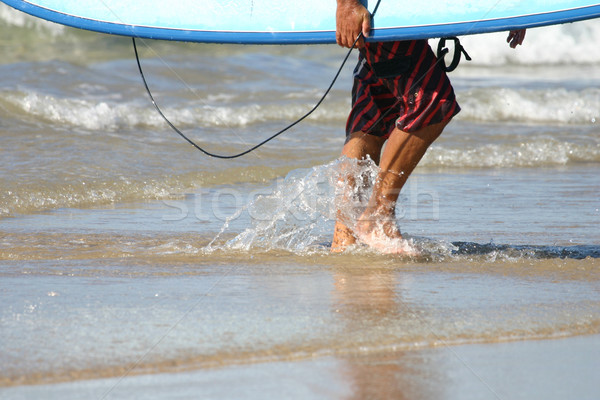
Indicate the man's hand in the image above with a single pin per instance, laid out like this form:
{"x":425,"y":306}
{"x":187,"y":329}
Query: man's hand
{"x":516,"y":38}
{"x":352,"y":18}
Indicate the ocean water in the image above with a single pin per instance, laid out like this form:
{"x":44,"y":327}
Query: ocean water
{"x":124,"y":251}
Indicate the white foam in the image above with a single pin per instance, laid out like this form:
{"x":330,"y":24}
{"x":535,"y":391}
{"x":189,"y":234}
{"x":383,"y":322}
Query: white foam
{"x":106,"y":115}
{"x":535,"y":151}
{"x":78,"y":112}
{"x":46,"y":195}
{"x":491,"y":104}
{"x":558,"y":105}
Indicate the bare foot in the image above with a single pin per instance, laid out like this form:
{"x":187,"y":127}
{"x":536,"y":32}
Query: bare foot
{"x":383,"y":237}
{"x":342,"y":238}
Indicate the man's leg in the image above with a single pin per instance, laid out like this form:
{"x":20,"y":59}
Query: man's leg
{"x":358,"y":146}
{"x":377,"y":225}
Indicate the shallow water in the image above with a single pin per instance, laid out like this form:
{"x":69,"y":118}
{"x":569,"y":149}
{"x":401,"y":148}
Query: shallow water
{"x":85,"y":318}
{"x":123,"y":251}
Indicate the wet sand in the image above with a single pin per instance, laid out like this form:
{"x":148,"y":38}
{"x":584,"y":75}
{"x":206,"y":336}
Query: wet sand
{"x":548,"y":369}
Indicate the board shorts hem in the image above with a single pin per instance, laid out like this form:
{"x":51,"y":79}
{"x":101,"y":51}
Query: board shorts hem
{"x":399,"y":85}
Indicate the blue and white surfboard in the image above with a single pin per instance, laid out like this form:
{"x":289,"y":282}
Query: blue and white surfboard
{"x":300,"y":22}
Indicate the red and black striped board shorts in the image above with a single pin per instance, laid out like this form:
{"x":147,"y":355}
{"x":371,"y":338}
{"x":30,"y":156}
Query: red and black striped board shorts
{"x":399,"y":84}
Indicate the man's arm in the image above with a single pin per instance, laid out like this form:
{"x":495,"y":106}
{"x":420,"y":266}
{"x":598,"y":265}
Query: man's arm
{"x":352,"y":18}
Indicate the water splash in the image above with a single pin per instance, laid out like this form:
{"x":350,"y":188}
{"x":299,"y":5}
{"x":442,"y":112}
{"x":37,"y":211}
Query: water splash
{"x":297,"y":215}
{"x":299,"y":212}
{"x":293,"y":216}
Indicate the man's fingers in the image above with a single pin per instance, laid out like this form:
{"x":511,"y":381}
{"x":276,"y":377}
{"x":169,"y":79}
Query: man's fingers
{"x":516,"y":38}
{"x":348,"y":39}
{"x":343,"y":39}
{"x":366,"y":26}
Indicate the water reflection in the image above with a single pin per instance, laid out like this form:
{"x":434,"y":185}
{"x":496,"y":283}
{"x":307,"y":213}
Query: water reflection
{"x":373,"y":310}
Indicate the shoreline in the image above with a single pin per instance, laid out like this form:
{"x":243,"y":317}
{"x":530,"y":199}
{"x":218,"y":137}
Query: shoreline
{"x":490,"y":370}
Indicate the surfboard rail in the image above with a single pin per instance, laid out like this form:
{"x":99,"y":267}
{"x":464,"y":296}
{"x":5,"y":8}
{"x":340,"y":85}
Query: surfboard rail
{"x":110,"y":18}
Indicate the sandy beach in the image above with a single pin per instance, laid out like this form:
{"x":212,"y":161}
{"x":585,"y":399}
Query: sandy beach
{"x":550,"y":369}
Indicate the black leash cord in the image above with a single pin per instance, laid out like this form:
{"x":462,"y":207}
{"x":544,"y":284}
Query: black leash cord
{"x":208,"y":153}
